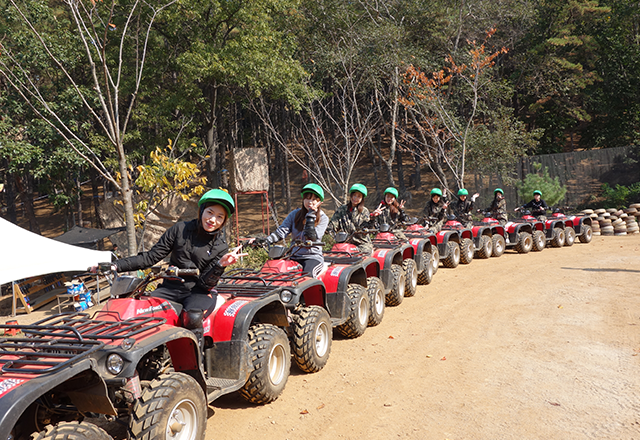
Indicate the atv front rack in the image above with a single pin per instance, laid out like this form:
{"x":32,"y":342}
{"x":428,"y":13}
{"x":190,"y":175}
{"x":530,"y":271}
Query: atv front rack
{"x":384,"y":243}
{"x":53,"y":343}
{"x":343,"y":257}
{"x":249,"y":282}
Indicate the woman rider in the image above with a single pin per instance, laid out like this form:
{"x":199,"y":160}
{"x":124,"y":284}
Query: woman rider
{"x":352,"y":217}
{"x":305,"y":223}
{"x":498,"y":206}
{"x":435,"y":212}
{"x":196,"y":244}
{"x":462,"y":207}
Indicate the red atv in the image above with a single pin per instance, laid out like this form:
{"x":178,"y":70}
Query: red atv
{"x":554,"y":229}
{"x":244,"y":330}
{"x":399,"y":269}
{"x":345,"y":253}
{"x":581,"y":226}
{"x":522,"y":235}
{"x":426,"y":254}
{"x":142,"y":369}
{"x":449,"y":242}
{"x":466,"y":238}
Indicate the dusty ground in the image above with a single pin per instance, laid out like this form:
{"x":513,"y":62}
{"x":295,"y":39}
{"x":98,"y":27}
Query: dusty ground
{"x":538,"y":346}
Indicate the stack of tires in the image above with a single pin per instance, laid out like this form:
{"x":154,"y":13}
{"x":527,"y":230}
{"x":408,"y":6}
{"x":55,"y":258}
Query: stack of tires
{"x":630,"y":220}
{"x":619,"y":226}
{"x":606,"y":228}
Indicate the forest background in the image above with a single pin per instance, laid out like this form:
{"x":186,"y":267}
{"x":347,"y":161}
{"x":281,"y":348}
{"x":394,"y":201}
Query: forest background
{"x":147,"y":99}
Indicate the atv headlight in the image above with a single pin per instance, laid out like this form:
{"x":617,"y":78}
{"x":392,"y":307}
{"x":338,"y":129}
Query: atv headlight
{"x":286,"y":296}
{"x":115,"y":364}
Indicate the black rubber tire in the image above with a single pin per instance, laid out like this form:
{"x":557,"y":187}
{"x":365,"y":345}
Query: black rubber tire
{"x":466,"y":251}
{"x":410,"y":269}
{"x":356,"y":325}
{"x":486,"y":247}
{"x":557,"y":239}
{"x":453,"y":255}
{"x":587,"y":234}
{"x":499,"y":245}
{"x":311,"y":341}
{"x":169,"y":399}
{"x":375,"y":289}
{"x":396,"y":294}
{"x":525,"y":243}
{"x":569,"y":236}
{"x":426,"y":275}
{"x":271,"y":362}
{"x":435,"y":258}
{"x":72,"y":431}
{"x":539,"y":241}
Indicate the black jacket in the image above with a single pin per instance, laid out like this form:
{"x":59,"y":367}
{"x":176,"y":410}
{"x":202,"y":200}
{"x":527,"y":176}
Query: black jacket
{"x":190,"y":247}
{"x":462,"y":209}
{"x":537,"y":208}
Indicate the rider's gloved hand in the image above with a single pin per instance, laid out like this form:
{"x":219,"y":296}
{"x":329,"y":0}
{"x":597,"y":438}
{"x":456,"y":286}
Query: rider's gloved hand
{"x":260,"y":242}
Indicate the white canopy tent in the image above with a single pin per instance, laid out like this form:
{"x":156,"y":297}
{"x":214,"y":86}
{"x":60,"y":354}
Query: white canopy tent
{"x":24,"y":254}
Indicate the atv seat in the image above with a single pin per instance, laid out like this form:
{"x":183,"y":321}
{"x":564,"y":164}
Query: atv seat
{"x":178,"y":307}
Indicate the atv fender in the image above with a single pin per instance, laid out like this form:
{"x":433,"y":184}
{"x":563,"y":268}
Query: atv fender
{"x":79,"y":381}
{"x":386,"y":258}
{"x":371,"y":267}
{"x":419,"y":246}
{"x":230,"y":355}
{"x":444,"y":237}
{"x":340,"y":276}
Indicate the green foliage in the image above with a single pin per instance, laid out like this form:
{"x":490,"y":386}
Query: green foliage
{"x":255,"y":260}
{"x":552,"y":191}
{"x":620,"y":196}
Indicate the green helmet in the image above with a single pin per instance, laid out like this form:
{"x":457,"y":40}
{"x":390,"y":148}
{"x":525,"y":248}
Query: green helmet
{"x":463,"y":192}
{"x":314,"y":189}
{"x":498,"y":190}
{"x":360,"y":188}
{"x":537,"y":192}
{"x":436,"y":192}
{"x":219,"y":196}
{"x":391,"y":190}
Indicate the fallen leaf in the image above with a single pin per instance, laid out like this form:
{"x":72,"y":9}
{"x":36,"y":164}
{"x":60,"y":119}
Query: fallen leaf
{"x":428,"y":355}
{"x":391,"y":337}
{"x":444,"y":358}
{"x":321,"y":406}
{"x":554,"y":403}
{"x":559,"y":307}
{"x":304,"y":411}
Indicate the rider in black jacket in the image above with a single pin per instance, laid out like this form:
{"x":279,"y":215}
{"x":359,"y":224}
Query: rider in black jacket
{"x":537,"y":206}
{"x":196,"y":244}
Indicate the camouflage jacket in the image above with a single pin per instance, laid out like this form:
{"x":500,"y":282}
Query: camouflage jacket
{"x":462,"y":210}
{"x":350,"y":221}
{"x":388,"y":218}
{"x":498,"y":209}
{"x":434,"y":212}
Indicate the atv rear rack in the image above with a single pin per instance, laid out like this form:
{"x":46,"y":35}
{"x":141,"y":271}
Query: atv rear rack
{"x":57,"y":341}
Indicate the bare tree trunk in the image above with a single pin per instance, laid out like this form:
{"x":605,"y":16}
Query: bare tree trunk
{"x":25,"y":189}
{"x":400,"y":168}
{"x":96,"y":199}
{"x":79,"y":186}
{"x":9,"y":193}
{"x":212,"y":142}
{"x":418,"y":180}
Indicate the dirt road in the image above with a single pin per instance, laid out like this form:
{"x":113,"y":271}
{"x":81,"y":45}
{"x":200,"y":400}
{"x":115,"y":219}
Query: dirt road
{"x":538,"y":346}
